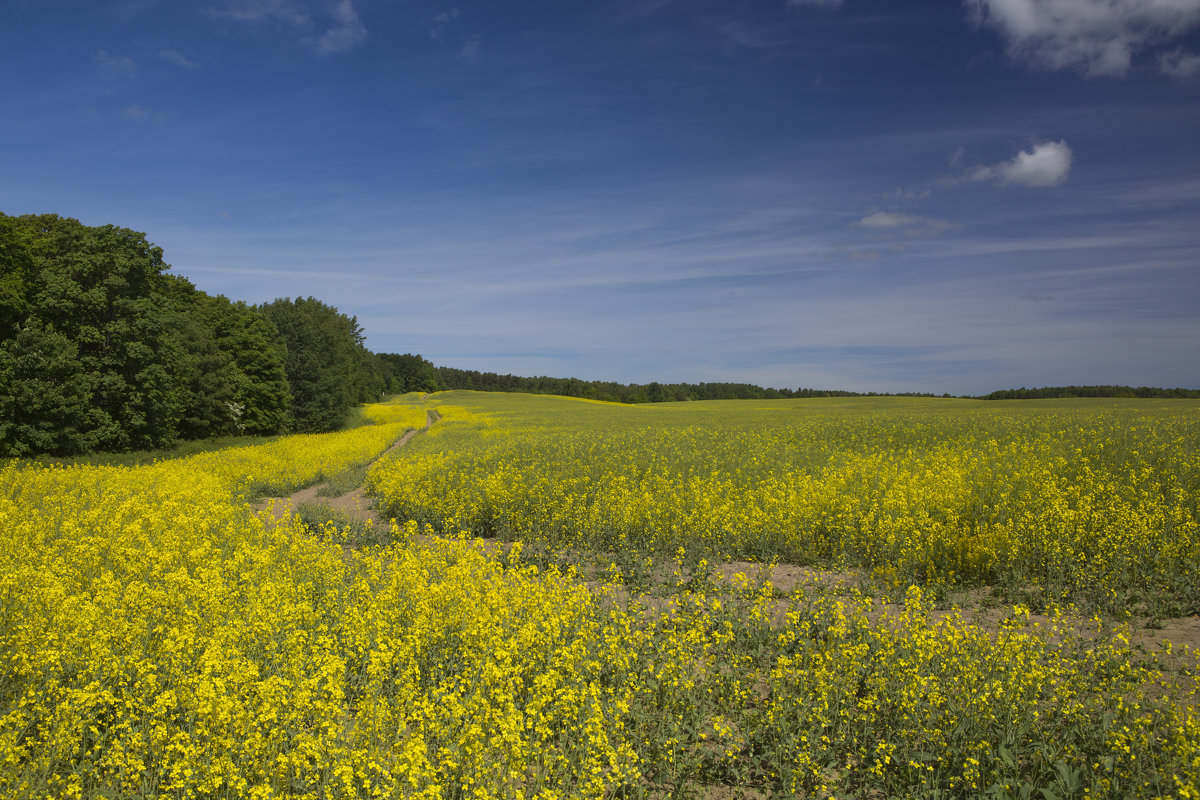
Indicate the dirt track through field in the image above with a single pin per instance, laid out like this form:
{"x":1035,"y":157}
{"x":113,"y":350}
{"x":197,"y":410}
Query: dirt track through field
{"x":355,"y":505}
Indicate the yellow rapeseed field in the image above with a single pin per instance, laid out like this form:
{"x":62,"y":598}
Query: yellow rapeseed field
{"x":1092,"y":501}
{"x":158,"y":639}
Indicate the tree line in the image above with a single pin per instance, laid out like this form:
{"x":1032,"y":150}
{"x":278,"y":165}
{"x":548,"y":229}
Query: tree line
{"x":1059,"y":392}
{"x":101,"y":349}
{"x":654,"y":392}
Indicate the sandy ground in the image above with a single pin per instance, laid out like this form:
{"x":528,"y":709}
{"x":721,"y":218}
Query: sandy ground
{"x":354,"y":504}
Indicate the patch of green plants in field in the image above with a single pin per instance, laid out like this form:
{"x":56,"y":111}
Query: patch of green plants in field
{"x":342,"y":528}
{"x":344,"y":482}
{"x":141,"y":457}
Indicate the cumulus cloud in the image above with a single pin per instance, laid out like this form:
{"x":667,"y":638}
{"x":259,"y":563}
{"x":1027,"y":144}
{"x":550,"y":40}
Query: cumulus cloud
{"x":1097,"y":37}
{"x":347,"y":33}
{"x":910,"y":224}
{"x":177,"y":58}
{"x":1044,"y":164}
{"x":1179,"y":64}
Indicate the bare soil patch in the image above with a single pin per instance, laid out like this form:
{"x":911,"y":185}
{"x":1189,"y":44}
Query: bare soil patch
{"x":354,"y":505}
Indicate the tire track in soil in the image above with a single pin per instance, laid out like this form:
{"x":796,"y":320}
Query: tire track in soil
{"x":355,"y":504}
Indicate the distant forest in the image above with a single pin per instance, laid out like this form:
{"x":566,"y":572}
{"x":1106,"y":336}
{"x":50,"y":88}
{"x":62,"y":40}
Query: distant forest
{"x":102,"y":350}
{"x":1052,"y":392}
{"x":450,"y":378}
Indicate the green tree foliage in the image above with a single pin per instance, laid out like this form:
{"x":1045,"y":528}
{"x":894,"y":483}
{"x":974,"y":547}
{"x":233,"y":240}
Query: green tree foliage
{"x":228,"y":363}
{"x":371,"y":374}
{"x":101,"y":349}
{"x":1090,"y":391}
{"x":45,"y":397}
{"x":16,"y":269}
{"x":328,"y":368}
{"x":655,"y":392}
{"x":91,"y":296}
{"x":410,"y":373}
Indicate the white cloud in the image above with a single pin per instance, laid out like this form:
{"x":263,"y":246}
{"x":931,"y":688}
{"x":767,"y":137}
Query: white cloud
{"x":177,"y":58}
{"x":347,"y":34}
{"x":1098,"y":37}
{"x":911,"y":224}
{"x":114,"y":66}
{"x":1044,"y":164}
{"x":887,"y":219}
{"x":1179,"y":64}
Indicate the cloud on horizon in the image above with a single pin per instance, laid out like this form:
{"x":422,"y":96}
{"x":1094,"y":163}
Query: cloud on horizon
{"x":1096,"y":37}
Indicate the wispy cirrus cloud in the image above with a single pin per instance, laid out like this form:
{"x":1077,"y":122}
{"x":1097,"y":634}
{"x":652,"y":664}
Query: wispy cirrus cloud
{"x":470,"y":47}
{"x":286,"y":12}
{"x":138,"y":113}
{"x":909,"y":224}
{"x":1096,"y":37}
{"x":438,"y":24}
{"x":178,"y":59}
{"x":1046,"y":164}
{"x":345,"y":34}
{"x":900,"y":193}
{"x":114,"y":66}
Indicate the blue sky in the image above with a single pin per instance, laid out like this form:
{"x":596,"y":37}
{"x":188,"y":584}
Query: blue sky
{"x":953,"y":196}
